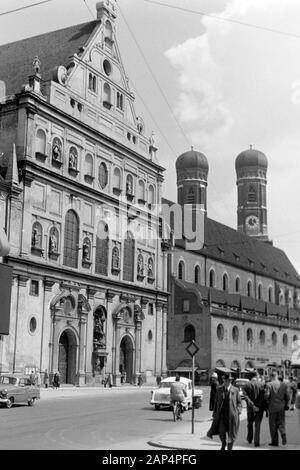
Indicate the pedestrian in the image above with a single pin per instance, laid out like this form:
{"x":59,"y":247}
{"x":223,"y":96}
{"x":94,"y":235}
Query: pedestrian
{"x":32,"y":378}
{"x":298,"y":405}
{"x":125,"y":376}
{"x":140,"y":380}
{"x":256,"y":405}
{"x":226,"y":415}
{"x":277,"y":396}
{"x":109,"y":380}
{"x":46,"y":378}
{"x":158,"y":380}
{"x":214,"y":384}
{"x":38,"y":380}
{"x":293,"y":392}
{"x":56,"y":380}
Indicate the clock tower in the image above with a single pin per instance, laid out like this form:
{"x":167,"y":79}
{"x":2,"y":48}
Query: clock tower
{"x":251,"y":169}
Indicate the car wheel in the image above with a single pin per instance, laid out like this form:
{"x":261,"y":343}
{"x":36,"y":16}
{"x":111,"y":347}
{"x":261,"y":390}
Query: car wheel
{"x":31,"y":402}
{"x":156,"y":406}
{"x":9,"y":402}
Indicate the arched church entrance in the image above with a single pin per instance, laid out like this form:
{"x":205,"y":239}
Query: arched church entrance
{"x":67,"y":357}
{"x":126,"y":359}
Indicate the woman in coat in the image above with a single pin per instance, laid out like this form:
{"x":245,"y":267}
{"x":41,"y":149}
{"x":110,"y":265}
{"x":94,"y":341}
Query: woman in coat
{"x":226,"y":415}
{"x":214,"y":383}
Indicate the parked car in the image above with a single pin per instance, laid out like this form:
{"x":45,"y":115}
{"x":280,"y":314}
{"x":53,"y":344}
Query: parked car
{"x":240,"y":383}
{"x":17,"y":389}
{"x":161,"y":396}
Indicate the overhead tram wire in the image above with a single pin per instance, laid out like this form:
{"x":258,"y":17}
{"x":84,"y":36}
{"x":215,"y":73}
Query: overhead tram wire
{"x":222,"y":18}
{"x":154,"y":78}
{"x":25,"y":7}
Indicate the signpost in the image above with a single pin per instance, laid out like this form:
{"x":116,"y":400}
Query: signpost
{"x":192,"y":349}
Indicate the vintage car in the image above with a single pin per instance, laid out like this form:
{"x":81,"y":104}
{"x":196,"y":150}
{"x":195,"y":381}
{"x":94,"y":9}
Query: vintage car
{"x":161,"y":396}
{"x":17,"y":389}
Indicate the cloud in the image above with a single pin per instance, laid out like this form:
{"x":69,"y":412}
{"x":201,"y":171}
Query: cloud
{"x":239,"y":85}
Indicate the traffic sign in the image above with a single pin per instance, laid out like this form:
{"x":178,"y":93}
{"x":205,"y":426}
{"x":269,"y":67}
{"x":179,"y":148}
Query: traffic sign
{"x":192,"y":348}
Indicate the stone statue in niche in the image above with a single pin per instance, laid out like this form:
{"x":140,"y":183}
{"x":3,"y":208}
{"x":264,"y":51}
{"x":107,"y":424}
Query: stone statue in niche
{"x":115,"y":259}
{"x":36,"y":237}
{"x":86,"y":251}
{"x":56,"y":151}
{"x":99,"y":335}
{"x":140,"y":266}
{"x":129,"y":186}
{"x":72,"y":160}
{"x":150,"y":268}
{"x":53,"y":243}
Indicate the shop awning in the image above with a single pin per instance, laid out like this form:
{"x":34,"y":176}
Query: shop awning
{"x":223,"y":370}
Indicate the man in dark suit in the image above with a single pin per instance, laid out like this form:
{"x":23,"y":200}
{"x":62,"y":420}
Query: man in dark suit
{"x":226,"y":415}
{"x":277,"y":396}
{"x":254,"y":396}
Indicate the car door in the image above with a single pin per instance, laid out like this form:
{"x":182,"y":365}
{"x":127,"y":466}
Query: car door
{"x":23,"y":390}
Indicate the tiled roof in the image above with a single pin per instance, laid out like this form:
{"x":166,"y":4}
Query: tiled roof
{"x":228,"y":245}
{"x":53,"y":49}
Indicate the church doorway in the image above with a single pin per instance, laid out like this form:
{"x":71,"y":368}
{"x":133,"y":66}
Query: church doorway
{"x":126,"y":359}
{"x":67,"y":357}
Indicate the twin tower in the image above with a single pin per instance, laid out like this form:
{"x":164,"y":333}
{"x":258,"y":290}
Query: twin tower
{"x":251,"y":169}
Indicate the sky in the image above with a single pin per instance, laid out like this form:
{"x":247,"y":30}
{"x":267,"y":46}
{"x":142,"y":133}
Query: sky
{"x":210,"y":82}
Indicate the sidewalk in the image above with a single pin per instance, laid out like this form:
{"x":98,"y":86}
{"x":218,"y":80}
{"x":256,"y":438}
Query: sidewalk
{"x":184,"y":439}
{"x":71,"y":390}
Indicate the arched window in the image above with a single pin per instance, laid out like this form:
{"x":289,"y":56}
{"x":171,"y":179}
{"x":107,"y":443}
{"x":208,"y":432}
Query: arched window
{"x":262,"y":337}
{"x":295,"y":338}
{"x":189,"y":334}
{"x":89,"y":167}
{"x":40,"y":147}
{"x":259,"y":291}
{"x":108,"y":34}
{"x":197,"y":275}
{"x":270,"y":294}
{"x":235,"y":334}
{"x":92,"y":82}
{"x":274,"y":338}
{"x":102,"y":249}
{"x":190,"y":197}
{"x":117,"y":178}
{"x":141,"y":191}
{"x":181,"y":270}
{"x":249,"y":335}
{"x":252,"y":194}
{"x":249,"y":289}
{"x":225,"y":282}
{"x":129,"y":251}
{"x":220,"y":332}
{"x":151,"y":195}
{"x":285,"y":340}
{"x":37,"y":236}
{"x":281,"y":299}
{"x":237,"y":285}
{"x":120,"y":101}
{"x":71,"y":239}
{"x":212,"y":279}
{"x":107,"y":96}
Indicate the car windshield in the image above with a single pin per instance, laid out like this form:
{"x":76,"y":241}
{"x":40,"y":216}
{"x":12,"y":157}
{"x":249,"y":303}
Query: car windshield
{"x":8,"y":380}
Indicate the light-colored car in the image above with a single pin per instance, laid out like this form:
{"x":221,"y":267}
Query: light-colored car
{"x":161,"y":396}
{"x":240,"y":383}
{"x":17,"y":389}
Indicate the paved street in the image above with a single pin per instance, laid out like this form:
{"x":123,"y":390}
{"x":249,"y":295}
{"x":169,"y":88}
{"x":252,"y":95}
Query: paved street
{"x":88,"y":419}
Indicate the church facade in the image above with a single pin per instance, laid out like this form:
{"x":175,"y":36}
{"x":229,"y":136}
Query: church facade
{"x":237,"y":296}
{"x":79,"y":183}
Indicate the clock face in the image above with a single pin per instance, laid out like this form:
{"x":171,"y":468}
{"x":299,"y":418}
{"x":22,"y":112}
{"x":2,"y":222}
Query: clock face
{"x":252,"y":221}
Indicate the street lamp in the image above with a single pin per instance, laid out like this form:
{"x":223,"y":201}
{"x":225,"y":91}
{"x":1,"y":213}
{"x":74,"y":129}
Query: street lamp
{"x":192,"y":349}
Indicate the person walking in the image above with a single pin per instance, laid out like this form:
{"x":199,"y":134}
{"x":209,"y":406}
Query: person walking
{"x":293,"y":392}
{"x":158,"y":380}
{"x":32,"y":378}
{"x":140,"y":380}
{"x":254,"y":396}
{"x":46,"y":378}
{"x":214,"y":384}
{"x":298,"y":405}
{"x":56,"y":380}
{"x":38,"y":379}
{"x":226,"y":415}
{"x":277,"y":396}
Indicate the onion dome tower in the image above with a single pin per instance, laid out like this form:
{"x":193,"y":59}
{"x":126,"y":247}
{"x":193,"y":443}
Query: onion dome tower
{"x":192,"y":170}
{"x":251,"y":168}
